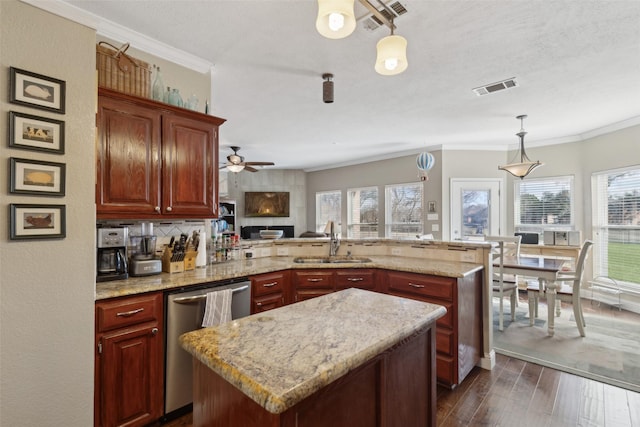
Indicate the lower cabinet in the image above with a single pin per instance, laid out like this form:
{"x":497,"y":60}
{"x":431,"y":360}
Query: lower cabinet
{"x":269,"y":291}
{"x":459,"y":332}
{"x":307,"y":284}
{"x":129,"y":361}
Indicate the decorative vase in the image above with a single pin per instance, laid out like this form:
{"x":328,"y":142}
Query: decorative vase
{"x":175,"y":98}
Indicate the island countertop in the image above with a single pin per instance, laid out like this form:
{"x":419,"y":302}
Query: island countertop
{"x":280,"y":357}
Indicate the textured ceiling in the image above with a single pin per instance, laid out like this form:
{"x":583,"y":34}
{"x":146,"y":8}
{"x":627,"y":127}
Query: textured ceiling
{"x":577,"y":64}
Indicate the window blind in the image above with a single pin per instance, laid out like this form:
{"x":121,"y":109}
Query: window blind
{"x":544,"y":204}
{"x":616,"y":228}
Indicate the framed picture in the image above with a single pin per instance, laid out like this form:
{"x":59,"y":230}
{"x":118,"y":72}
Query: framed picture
{"x":266,"y":204}
{"x":37,"y":91}
{"x":37,"y":221}
{"x":36,"y":177}
{"x":431,"y":206}
{"x":36,"y":133}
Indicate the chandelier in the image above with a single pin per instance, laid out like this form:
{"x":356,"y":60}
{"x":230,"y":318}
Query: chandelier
{"x":524,"y":166}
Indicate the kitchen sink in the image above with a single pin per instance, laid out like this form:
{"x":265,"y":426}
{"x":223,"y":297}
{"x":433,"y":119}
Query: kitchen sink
{"x":332,"y":260}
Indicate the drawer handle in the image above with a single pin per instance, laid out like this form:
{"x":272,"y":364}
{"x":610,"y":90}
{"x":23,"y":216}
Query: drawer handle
{"x":414,"y":285}
{"x":355,"y":279}
{"x":268,"y":285}
{"x":312,"y":279}
{"x":129,"y":313}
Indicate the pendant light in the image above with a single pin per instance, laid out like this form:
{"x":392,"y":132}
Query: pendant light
{"x":525,"y":166}
{"x":336,"y":19}
{"x":327,"y":88}
{"x":392,"y":55}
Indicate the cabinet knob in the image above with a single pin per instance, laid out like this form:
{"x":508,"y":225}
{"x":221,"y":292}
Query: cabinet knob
{"x":154,"y":331}
{"x":169,"y":209}
{"x":259,"y":304}
{"x":157,"y":209}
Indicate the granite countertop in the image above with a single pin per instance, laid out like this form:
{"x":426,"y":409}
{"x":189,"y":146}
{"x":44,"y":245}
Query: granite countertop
{"x":250,"y":267}
{"x":280,"y":357}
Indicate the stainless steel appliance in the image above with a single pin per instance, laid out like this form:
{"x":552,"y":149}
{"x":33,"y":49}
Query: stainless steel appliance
{"x":184,"y":313}
{"x":111,"y":254}
{"x":143,"y":260}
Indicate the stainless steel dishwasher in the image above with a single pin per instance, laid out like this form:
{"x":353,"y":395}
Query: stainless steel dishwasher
{"x":184,"y":313}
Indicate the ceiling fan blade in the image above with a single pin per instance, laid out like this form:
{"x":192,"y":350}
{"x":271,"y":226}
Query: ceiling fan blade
{"x":249,"y":168}
{"x":260,"y":163}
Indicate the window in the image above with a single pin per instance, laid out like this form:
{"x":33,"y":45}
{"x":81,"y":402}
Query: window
{"x":362,"y":207}
{"x":403,"y":210}
{"x":616,"y":224}
{"x":328,"y":208}
{"x":544,"y":204}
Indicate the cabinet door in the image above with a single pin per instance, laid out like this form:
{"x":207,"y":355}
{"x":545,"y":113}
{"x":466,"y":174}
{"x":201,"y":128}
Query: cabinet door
{"x":131,"y":376}
{"x":267,"y":302}
{"x":128,"y":165}
{"x":190,"y":167}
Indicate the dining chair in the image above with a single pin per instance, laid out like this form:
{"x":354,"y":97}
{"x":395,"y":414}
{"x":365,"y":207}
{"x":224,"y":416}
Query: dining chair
{"x":505,"y":285}
{"x":568,"y":286}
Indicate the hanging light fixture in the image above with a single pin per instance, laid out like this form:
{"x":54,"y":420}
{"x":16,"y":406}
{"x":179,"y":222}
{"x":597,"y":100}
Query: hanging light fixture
{"x":235,"y":168}
{"x":525,"y":166}
{"x":392,"y":55}
{"x":336,"y":19}
{"x":327,"y":88}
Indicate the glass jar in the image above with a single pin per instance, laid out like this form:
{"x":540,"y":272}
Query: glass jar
{"x":175,"y":98}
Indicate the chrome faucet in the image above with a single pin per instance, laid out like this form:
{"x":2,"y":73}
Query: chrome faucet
{"x":335,"y":242}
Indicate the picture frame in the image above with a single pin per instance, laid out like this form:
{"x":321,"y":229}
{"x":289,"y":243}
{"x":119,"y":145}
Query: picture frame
{"x":266,"y":204}
{"x":431,"y":206}
{"x":36,"y":133}
{"x":30,"y":222}
{"x":36,"y":177}
{"x":36,"y":90}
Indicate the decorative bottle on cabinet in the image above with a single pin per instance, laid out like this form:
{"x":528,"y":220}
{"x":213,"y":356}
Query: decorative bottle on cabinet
{"x":158,"y":87}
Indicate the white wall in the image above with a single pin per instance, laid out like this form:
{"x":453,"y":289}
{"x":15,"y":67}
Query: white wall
{"x":47,"y":290}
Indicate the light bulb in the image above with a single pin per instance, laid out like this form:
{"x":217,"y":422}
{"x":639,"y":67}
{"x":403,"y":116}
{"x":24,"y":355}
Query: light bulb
{"x":336,"y":21}
{"x":391,"y":63}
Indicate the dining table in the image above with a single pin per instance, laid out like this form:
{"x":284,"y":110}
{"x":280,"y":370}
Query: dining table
{"x":546,"y":270}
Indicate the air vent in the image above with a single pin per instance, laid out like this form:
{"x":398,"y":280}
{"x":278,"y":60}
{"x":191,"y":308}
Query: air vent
{"x":371,"y":22}
{"x":495,"y":87}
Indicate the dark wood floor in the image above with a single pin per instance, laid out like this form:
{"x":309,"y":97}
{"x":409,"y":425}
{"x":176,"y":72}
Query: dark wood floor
{"x":522,"y":394}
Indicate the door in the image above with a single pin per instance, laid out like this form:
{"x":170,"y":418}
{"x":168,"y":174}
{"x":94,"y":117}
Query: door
{"x":476,"y":208}
{"x":190,"y":168}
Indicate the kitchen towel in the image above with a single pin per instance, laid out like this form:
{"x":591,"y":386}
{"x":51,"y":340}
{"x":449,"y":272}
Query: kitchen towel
{"x":218,"y":308}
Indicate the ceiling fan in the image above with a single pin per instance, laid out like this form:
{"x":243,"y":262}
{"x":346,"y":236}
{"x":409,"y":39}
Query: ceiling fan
{"x":236,"y":163}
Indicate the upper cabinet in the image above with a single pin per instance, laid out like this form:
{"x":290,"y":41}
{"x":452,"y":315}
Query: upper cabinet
{"x":154,"y":160}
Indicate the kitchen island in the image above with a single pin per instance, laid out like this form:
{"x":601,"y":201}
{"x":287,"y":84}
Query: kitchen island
{"x":350,"y":358}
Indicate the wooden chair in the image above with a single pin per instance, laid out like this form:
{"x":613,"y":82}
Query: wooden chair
{"x":505,"y":285}
{"x":569,"y":284}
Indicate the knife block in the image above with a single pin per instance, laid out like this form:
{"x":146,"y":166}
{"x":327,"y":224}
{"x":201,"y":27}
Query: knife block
{"x":190,"y":260}
{"x":169,"y":266}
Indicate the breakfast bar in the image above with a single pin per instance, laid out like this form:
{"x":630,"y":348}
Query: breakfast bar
{"x":349,"y":358}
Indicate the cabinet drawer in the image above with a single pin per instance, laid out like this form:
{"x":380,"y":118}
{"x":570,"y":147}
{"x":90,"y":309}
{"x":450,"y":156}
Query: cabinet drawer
{"x":267,"y":302}
{"x":268,"y":283}
{"x":313,"y":279}
{"x":129,"y":311}
{"x":355,"y":278}
{"x":423,"y":285}
{"x":446,"y":370}
{"x":445,"y":341}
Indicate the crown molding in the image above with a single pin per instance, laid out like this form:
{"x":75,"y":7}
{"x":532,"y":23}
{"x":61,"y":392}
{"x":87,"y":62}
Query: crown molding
{"x":122,"y":34}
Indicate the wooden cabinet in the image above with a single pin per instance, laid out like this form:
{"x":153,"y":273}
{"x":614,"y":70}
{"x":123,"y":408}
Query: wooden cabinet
{"x":459,"y":332}
{"x":308,"y":284}
{"x":129,"y":361}
{"x":154,"y":160}
{"x":361,"y":278}
{"x":269,"y":291}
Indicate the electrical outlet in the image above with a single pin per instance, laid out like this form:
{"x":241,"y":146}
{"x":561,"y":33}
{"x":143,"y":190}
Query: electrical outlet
{"x":396,"y":251}
{"x":282,"y":251}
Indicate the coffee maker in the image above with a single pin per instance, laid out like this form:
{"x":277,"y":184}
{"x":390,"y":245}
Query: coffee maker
{"x":112,"y":254}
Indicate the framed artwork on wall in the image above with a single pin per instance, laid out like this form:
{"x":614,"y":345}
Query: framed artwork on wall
{"x":266,"y":204}
{"x":36,"y":133}
{"x":36,"y":177}
{"x":36,"y":90}
{"x":37,"y":221}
